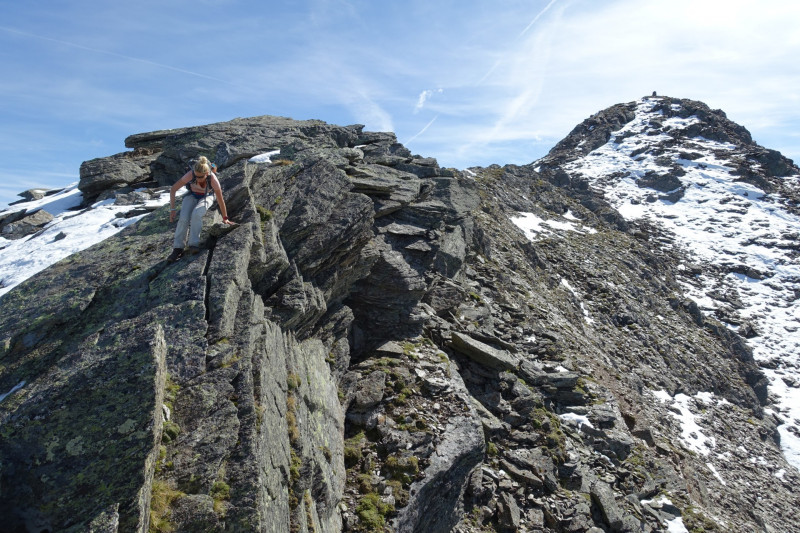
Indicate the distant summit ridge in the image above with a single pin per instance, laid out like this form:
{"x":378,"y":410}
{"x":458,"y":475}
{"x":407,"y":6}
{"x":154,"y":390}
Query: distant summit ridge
{"x":679,"y":123}
{"x":707,"y":123}
{"x":604,"y":340}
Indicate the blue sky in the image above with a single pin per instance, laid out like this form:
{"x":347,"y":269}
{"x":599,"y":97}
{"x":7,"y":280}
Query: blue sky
{"x":470,"y":83}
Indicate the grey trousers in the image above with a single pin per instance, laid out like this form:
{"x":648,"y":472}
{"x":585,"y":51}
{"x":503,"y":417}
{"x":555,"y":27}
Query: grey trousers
{"x":191,"y":219}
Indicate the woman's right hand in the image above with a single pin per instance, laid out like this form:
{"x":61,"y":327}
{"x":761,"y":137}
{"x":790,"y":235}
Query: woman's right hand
{"x":171,"y":217}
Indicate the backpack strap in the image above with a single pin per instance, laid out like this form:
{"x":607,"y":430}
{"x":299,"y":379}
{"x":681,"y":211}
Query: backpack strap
{"x":194,"y":180}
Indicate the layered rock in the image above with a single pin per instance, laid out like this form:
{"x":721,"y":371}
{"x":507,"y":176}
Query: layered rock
{"x":376,"y":346}
{"x":253,"y":331}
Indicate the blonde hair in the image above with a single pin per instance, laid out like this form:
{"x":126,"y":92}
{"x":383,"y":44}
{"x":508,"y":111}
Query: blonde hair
{"x":202,"y":166}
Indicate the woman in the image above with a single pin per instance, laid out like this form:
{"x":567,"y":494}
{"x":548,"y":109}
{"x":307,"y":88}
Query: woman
{"x":194,"y":205}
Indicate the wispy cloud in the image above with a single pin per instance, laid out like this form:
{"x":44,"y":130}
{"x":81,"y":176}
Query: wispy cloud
{"x":114,"y":54}
{"x":574,"y":59}
{"x":519,"y":36}
{"x":423,"y":98}
{"x":369,"y":112}
{"x":541,"y":67}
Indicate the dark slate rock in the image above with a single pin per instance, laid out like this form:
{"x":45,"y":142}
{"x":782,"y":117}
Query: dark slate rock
{"x":509,"y":513}
{"x":444,"y":296}
{"x":227,"y":143}
{"x":10,"y":216}
{"x":603,"y":497}
{"x":385,"y":183}
{"x":660,"y":182}
{"x":369,"y":391}
{"x":535,"y":461}
{"x":522,"y":475}
{"x":131,"y":198}
{"x":483,"y":353}
{"x":436,"y":499}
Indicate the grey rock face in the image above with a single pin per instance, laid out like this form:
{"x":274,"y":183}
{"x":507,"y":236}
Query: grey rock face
{"x":123,"y":169}
{"x":105,"y":439}
{"x":436,"y":501}
{"x":227,"y":143}
{"x":33,"y":194}
{"x":252,"y":425}
{"x":376,"y":347}
{"x":483,"y":353}
{"x":23,"y":224}
{"x":604,"y":499}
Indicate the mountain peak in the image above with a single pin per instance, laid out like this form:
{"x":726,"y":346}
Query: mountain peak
{"x":679,"y":119}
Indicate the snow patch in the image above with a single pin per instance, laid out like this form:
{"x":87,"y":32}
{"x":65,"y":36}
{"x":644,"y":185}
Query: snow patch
{"x":586,"y":316}
{"x":69,"y":232}
{"x":716,"y":473}
{"x":691,"y":433}
{"x":264,"y":158}
{"x":676,"y":525}
{"x":535,"y":226}
{"x":578,"y":420}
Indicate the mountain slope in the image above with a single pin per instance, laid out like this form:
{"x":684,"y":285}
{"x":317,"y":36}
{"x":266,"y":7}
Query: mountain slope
{"x":385,"y":344}
{"x":732,"y":206}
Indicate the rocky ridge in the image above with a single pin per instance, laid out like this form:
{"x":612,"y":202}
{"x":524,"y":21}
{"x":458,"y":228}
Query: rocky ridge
{"x":379,"y":346}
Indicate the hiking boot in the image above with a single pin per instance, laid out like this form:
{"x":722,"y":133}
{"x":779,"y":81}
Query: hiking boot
{"x":175,"y":255}
{"x":193,"y":250}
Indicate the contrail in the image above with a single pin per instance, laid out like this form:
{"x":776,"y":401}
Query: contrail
{"x":423,"y":130}
{"x":488,"y":73}
{"x":114,"y":54}
{"x":531,"y":23}
{"x":542,"y":12}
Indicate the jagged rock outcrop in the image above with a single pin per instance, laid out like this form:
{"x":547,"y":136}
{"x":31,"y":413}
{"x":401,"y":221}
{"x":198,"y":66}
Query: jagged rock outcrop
{"x":23,"y":223}
{"x":115,"y":172}
{"x":378,"y":346}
